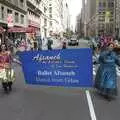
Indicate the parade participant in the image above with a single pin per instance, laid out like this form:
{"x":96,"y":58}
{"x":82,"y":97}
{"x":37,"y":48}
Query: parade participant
{"x":105,"y":81}
{"x":7,"y":75}
{"x":116,"y":43}
{"x":64,"y":45}
{"x":23,"y":46}
{"x":49,"y":44}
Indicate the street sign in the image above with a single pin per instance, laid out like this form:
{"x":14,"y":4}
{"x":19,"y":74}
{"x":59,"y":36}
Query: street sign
{"x":10,"y":20}
{"x":71,"y":67}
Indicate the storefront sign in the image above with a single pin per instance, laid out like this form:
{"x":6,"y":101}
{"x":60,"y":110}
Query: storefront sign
{"x":22,"y":29}
{"x":71,"y":67}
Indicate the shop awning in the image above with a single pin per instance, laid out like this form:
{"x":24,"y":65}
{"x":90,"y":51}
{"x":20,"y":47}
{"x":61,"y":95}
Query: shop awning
{"x":22,"y":30}
{"x":1,"y":30}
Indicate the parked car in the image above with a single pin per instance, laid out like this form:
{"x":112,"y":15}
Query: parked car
{"x":73,"y":41}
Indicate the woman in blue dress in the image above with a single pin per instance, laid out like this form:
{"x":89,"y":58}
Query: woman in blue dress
{"x":106,"y":77}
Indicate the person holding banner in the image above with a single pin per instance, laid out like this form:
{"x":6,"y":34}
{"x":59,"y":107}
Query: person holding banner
{"x":106,"y":77}
{"x":7,"y":75}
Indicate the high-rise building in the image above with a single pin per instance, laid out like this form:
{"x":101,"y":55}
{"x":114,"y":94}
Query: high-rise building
{"x":98,"y":17}
{"x":79,"y":25}
{"x":91,"y":17}
{"x":59,"y":17}
{"x":66,"y":16}
{"x":87,"y":16}
{"x":117,"y":18}
{"x":105,"y":17}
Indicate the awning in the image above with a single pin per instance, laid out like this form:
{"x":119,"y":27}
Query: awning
{"x":1,"y":30}
{"x":22,"y":30}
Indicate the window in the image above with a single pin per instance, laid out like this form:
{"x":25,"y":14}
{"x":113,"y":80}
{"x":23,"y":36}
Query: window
{"x":50,"y":10}
{"x":21,"y":3}
{"x":100,"y":4}
{"x":50,"y":23}
{"x":50,"y":4}
{"x":38,"y":1}
{"x":45,"y":22}
{"x":9,"y":0}
{"x":104,"y":4}
{"x":50,"y":15}
{"x":16,"y":2}
{"x":22,"y":19}
{"x":45,"y":10}
{"x":9,"y":11}
{"x":16,"y":17}
{"x":2,"y":13}
{"x":110,"y":4}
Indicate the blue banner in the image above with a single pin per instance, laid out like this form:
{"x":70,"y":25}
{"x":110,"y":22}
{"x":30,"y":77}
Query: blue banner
{"x":72,"y":67}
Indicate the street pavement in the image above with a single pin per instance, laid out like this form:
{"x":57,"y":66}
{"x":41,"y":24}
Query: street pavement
{"x":27,"y":102}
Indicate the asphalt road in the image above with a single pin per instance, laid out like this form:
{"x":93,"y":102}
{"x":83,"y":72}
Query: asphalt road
{"x":54,"y":103}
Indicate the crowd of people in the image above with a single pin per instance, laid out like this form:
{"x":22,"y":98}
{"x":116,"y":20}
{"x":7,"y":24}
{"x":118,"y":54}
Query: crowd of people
{"x":106,"y":77}
{"x":7,"y":54}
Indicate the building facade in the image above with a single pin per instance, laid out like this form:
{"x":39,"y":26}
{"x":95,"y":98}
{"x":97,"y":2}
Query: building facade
{"x":79,"y":25}
{"x":105,"y":17}
{"x":117,"y":18}
{"x":12,"y":14}
{"x":56,"y":17}
{"x":38,"y":16}
{"x":44,"y":6}
{"x":98,"y":17}
{"x":33,"y":17}
{"x":66,"y":16}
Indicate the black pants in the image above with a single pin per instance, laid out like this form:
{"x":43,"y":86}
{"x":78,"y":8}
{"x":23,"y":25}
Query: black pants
{"x":7,"y":86}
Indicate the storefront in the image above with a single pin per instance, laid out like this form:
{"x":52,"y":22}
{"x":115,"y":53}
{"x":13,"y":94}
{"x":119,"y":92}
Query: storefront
{"x":32,"y":35}
{"x":20,"y":31}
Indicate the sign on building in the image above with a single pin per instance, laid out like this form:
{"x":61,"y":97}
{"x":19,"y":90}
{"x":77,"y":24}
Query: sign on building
{"x":10,"y":20}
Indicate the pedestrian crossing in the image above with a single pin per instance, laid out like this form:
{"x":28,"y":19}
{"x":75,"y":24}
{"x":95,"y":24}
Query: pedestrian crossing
{"x":95,"y":70}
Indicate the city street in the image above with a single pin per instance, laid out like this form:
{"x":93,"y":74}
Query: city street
{"x":28,"y":102}
{"x":56,"y":30}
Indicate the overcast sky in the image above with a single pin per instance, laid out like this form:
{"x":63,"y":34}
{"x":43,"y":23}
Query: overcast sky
{"x":75,"y":8}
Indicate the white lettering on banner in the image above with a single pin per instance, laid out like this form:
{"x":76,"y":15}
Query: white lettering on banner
{"x":40,"y":58}
{"x":59,"y":80}
{"x":56,"y":73}
{"x":60,"y":73}
{"x":70,"y":80}
{"x":42,"y":73}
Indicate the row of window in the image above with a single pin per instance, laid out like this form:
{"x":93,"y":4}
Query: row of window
{"x":18,"y":2}
{"x":104,"y":4}
{"x":103,"y":12}
{"x":16,"y":15}
{"x":34,"y":15}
